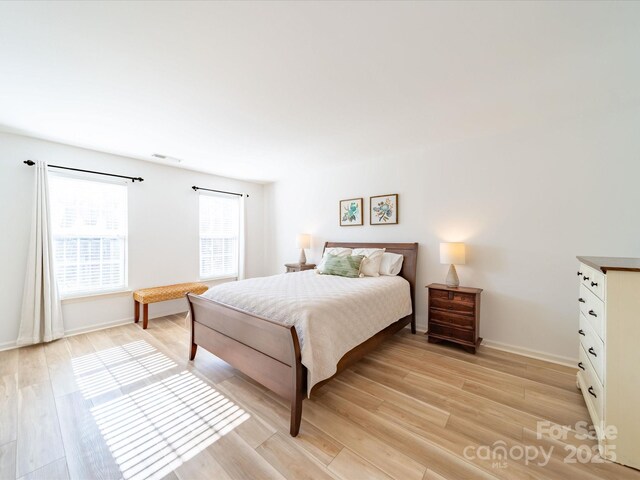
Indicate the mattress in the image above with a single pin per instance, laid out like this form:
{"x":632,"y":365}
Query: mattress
{"x":331,"y":314}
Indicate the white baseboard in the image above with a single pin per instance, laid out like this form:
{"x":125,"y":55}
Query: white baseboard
{"x":8,"y":345}
{"x":98,"y":326}
{"x":76,"y":331}
{"x":527,"y":352}
{"x":90,"y":328}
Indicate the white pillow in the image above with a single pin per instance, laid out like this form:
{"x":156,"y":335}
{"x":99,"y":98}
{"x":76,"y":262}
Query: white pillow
{"x":391,"y":264}
{"x":371,"y":263}
{"x":337,"y":251}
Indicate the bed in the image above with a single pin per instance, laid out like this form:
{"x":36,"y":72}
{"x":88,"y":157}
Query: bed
{"x":262,"y":328}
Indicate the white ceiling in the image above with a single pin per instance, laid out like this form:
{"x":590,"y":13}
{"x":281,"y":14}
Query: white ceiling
{"x":254,"y":90}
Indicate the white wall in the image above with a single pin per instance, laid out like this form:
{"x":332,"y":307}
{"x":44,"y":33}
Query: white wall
{"x":526,"y":203}
{"x":163,"y":229}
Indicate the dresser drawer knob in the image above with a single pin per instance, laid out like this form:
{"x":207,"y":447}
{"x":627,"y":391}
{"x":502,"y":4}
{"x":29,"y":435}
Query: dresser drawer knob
{"x":579,"y":273}
{"x":590,"y":390}
{"x":592,"y":352}
{"x":580,"y":365}
{"x":581,"y":332}
{"x":594,"y":284}
{"x":585,"y":278}
{"x":592,"y":313}
{"x":581,"y":300}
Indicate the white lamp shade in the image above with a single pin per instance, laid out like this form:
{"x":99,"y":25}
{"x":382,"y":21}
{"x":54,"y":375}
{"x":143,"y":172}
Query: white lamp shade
{"x":303,"y":240}
{"x":452,"y":253}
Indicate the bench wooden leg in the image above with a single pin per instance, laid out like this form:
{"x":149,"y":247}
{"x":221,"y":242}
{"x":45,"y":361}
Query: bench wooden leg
{"x":145,"y":315}
{"x":136,"y":310}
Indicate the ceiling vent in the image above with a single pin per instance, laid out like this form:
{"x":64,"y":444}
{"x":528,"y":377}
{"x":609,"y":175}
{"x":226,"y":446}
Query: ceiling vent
{"x":166,"y":157}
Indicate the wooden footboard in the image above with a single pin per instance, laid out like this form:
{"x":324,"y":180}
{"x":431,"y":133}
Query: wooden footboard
{"x":260,"y":348}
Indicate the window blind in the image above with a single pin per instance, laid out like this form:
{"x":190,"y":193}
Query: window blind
{"x":89,"y":232}
{"x":219,"y":235}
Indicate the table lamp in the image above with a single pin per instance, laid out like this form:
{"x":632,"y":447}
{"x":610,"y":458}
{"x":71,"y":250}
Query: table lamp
{"x":303,"y":240}
{"x":452,"y":254}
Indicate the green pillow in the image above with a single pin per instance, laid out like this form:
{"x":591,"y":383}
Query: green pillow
{"x":348,"y":266}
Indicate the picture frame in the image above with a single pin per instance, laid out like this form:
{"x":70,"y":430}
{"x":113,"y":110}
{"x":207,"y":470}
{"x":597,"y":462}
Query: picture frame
{"x":351,"y":212}
{"x":383,"y":209}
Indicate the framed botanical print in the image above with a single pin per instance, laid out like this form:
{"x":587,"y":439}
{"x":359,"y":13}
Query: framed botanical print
{"x":383,"y":209}
{"x":351,"y":212}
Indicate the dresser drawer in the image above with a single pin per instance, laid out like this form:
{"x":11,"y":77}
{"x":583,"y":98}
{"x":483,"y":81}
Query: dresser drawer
{"x":452,"y":319}
{"x":593,"y":279}
{"x":448,"y":332}
{"x":454,"y":301}
{"x":593,"y":347}
{"x":592,"y":389}
{"x":593,"y":310}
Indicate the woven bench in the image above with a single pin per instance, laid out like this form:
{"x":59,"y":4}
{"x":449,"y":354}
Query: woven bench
{"x":161,"y":294}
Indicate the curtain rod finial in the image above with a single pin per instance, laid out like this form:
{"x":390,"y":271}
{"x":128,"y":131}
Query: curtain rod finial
{"x":195,"y":189}
{"x":29,"y":162}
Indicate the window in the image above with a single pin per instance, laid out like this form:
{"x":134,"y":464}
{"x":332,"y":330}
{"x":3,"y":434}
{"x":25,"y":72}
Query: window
{"x":219,"y":235}
{"x":89,"y":231}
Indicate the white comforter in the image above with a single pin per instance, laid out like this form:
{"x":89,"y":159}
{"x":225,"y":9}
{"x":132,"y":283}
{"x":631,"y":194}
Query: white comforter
{"x":331,"y":314}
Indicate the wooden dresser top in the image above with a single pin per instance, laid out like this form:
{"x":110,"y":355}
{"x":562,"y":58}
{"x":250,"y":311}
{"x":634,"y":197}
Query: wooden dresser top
{"x":612,"y":263}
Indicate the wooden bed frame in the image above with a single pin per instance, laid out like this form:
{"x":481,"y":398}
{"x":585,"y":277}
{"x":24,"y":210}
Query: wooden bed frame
{"x":269,"y":352}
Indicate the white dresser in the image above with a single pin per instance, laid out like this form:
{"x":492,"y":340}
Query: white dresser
{"x":609,"y":354}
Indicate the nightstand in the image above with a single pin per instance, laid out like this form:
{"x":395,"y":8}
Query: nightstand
{"x":454,"y":315}
{"x":299,"y":267}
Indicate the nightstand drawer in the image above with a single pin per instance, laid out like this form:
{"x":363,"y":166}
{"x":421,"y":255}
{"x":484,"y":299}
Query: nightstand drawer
{"x":454,"y":301}
{"x":452,"y":319}
{"x":446,"y":332}
{"x":457,"y":297}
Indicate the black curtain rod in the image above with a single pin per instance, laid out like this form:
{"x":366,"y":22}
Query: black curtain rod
{"x":195,"y":189}
{"x":133,"y":179}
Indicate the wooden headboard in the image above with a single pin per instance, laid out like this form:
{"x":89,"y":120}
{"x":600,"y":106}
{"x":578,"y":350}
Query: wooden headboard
{"x":409,"y":265}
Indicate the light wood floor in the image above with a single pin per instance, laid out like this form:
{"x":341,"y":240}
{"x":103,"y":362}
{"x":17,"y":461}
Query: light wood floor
{"x":124,"y":402}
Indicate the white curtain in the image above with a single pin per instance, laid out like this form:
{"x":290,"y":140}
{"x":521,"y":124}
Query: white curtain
{"x":41,"y":319}
{"x":241,"y":242}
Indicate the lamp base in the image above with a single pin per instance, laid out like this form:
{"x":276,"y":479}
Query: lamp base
{"x":452,"y":277}
{"x":303,"y":257}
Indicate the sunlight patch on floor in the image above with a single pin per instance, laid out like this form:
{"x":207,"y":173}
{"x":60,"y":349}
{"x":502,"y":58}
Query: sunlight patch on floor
{"x":107,"y":370}
{"x":153,"y":430}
